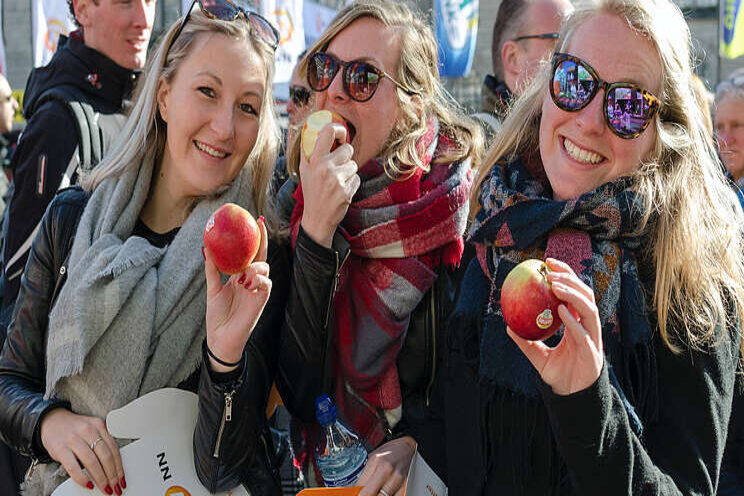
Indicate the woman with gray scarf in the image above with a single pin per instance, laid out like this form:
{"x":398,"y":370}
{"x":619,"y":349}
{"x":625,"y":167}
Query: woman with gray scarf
{"x":114,"y":302}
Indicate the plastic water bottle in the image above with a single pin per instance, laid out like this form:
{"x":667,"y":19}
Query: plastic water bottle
{"x":340,"y":454}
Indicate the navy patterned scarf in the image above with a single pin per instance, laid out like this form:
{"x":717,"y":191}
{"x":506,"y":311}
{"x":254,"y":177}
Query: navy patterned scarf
{"x":595,"y":234}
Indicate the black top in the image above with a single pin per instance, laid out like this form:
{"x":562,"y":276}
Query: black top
{"x":501,"y":441}
{"x":158,"y":240}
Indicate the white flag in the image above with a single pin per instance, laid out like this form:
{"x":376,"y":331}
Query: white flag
{"x":286,"y":16}
{"x":50,"y":18}
{"x":3,"y":68}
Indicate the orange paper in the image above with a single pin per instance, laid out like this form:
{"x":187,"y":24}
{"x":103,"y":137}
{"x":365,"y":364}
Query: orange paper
{"x":331,"y":491}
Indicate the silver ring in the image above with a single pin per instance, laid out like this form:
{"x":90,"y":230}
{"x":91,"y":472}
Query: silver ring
{"x":93,"y":444}
{"x":383,"y":492}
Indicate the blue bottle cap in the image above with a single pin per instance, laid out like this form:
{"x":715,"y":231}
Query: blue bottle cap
{"x":325,"y":410}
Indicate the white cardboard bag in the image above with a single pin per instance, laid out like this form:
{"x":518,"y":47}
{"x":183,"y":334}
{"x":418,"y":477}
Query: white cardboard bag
{"x":161,"y":460}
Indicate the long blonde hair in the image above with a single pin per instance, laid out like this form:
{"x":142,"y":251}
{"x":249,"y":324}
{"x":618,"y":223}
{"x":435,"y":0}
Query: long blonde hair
{"x":417,"y":71}
{"x":144,"y":133}
{"x":696,"y":234}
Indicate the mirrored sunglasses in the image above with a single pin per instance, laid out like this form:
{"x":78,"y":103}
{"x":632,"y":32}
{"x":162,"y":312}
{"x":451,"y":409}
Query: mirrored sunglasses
{"x":628,"y":109}
{"x":360,"y":79}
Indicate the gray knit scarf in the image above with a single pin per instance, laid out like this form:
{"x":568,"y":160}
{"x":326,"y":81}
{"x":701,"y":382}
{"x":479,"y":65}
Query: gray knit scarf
{"x":131,"y":317}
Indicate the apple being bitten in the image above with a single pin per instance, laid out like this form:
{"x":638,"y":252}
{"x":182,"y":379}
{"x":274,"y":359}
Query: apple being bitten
{"x":232,"y":237}
{"x":527,"y":301}
{"x":314,"y":123}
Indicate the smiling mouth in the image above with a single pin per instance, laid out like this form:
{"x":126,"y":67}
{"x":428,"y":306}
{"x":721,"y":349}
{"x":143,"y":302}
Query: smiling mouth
{"x":581,"y":155}
{"x":209,"y":150}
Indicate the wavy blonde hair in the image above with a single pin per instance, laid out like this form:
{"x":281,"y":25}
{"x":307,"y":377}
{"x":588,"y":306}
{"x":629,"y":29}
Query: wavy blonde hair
{"x":417,"y":71}
{"x":144,"y":133}
{"x":696,"y":235}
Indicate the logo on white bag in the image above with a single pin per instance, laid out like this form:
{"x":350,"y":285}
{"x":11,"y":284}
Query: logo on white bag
{"x":177,"y":491}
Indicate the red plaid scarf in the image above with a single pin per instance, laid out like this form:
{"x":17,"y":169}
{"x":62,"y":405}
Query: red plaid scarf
{"x":399,"y":232}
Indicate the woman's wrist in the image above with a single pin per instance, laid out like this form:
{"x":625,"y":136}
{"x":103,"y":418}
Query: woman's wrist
{"x":319,"y":234}
{"x":219,"y":362}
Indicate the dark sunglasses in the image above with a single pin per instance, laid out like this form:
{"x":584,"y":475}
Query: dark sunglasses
{"x":543,"y":36}
{"x":628,"y":109}
{"x":360,"y":78}
{"x":229,"y":10}
{"x":299,"y":95}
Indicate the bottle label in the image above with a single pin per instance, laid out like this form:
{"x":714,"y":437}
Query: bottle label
{"x":347,"y":480}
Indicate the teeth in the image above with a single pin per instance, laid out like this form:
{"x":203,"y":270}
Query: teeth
{"x":577,"y":153}
{"x":211,"y":151}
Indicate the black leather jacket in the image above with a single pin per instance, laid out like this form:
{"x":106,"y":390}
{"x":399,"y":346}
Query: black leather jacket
{"x":304,"y":370}
{"x":226,"y":453}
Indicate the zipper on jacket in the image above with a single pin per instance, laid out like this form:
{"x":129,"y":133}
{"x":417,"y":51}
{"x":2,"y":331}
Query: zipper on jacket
{"x":433,"y":316}
{"x":226,"y":417}
{"x":31,"y":469}
{"x":336,"y":276}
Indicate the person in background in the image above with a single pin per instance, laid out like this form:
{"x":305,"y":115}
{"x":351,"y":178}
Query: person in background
{"x":642,"y":238}
{"x":525,"y":31}
{"x":299,"y":106}
{"x":8,"y":109}
{"x":114,"y":302}
{"x":729,"y":119}
{"x":98,"y":62}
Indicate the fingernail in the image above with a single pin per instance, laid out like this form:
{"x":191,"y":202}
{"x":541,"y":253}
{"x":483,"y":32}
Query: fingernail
{"x":262,"y":220}
{"x":117,"y":489}
{"x":108,"y":490}
{"x":242,"y":279}
{"x":249,"y":285}
{"x":204,"y":255}
{"x":89,"y":485}
{"x":123,"y":483}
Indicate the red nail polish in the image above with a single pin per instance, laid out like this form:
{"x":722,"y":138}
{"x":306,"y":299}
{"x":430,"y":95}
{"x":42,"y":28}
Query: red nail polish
{"x":242,"y":279}
{"x":89,"y":485}
{"x":108,"y":490}
{"x":123,"y":483}
{"x":204,"y":255}
{"x":248,"y":286}
{"x":117,"y":489}
{"x":262,"y":220}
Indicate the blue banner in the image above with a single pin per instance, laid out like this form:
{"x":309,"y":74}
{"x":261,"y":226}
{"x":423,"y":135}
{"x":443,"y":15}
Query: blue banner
{"x":457,"y":32}
{"x":732,"y":29}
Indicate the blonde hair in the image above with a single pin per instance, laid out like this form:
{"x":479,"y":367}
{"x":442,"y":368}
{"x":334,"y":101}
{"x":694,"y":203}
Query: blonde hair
{"x":144,"y":133}
{"x":696,"y":237}
{"x":417,"y":71}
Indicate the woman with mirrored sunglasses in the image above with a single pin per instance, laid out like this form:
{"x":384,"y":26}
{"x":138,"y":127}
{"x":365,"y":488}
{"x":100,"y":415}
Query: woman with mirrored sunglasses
{"x":120,"y":297}
{"x":604,"y":171}
{"x":377,"y":224}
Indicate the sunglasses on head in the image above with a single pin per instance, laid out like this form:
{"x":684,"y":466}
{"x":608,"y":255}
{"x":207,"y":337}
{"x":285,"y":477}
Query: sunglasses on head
{"x":230,"y":10}
{"x":543,"y":36}
{"x":360,"y":79}
{"x":299,"y":95}
{"x":628,"y":109}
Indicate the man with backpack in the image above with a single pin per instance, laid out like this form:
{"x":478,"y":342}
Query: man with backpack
{"x":74,"y":109}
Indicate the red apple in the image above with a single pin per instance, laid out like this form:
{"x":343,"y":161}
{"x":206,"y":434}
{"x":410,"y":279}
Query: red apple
{"x":314,"y":123}
{"x":529,"y":306}
{"x":232,"y":237}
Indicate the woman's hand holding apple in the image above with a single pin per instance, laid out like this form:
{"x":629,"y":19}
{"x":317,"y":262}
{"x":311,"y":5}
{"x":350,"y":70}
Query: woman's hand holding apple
{"x":329,"y":182}
{"x":576,"y":362}
{"x":233,"y":309}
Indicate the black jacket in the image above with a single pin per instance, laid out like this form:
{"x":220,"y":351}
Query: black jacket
{"x":226,"y":453}
{"x":306,"y":344}
{"x":51,"y":135}
{"x":501,"y":441}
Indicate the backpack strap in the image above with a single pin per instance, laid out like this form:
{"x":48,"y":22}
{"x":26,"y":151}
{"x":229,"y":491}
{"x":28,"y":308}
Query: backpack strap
{"x":90,"y":142}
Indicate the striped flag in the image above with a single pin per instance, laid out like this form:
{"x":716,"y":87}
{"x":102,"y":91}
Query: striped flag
{"x":732,"y":28}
